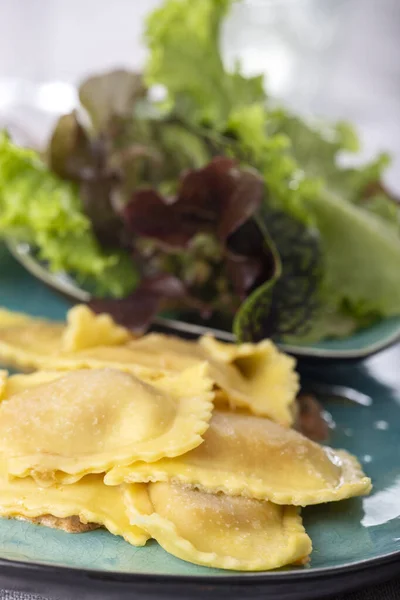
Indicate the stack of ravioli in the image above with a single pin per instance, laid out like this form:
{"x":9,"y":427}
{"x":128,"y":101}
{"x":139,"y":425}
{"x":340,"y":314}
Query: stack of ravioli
{"x":188,"y":443}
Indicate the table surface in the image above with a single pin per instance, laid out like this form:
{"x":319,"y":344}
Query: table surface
{"x":363,"y":86}
{"x":388,"y":591}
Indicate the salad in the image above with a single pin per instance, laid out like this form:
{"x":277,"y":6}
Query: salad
{"x":215,"y":201}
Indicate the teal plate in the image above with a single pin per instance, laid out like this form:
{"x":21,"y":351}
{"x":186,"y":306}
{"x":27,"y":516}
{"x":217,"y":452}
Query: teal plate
{"x":355,"y":542}
{"x":361,"y":344}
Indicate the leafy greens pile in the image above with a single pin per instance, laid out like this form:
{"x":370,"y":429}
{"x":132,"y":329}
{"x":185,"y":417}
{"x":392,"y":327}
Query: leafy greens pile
{"x":215,"y":201}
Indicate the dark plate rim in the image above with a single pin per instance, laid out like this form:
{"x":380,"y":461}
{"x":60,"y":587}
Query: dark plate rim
{"x":228,"y":578}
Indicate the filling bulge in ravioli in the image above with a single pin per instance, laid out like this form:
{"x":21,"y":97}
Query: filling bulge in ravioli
{"x":88,"y":500}
{"x":250,"y":456}
{"x":91,"y":420}
{"x":217,"y":530}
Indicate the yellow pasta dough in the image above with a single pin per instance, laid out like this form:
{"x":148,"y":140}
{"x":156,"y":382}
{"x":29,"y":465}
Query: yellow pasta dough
{"x":256,"y":377}
{"x":216,"y":530}
{"x":25,"y":341}
{"x":246,"y":455}
{"x":89,"y":499}
{"x":91,"y":420}
{"x":86,"y":329}
{"x":3,"y":384}
{"x":9,"y":317}
{"x":32,"y":343}
{"x":14,"y":384}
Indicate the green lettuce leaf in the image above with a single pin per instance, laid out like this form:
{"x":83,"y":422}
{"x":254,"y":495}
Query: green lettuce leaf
{"x":361,"y":256}
{"x":183,"y":38}
{"x":39,"y":208}
{"x":382,"y":206}
{"x":319,"y":148}
{"x":359,"y":231}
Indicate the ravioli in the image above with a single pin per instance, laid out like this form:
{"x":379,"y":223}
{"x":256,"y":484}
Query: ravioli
{"x":256,"y":377}
{"x":86,"y":341}
{"x":91,"y":420}
{"x":32,"y":343}
{"x":216,"y":530}
{"x":89,"y":500}
{"x":265,"y":379}
{"x":249,"y":456}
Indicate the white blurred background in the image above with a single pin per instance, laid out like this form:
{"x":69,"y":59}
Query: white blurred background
{"x":339,"y":58}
